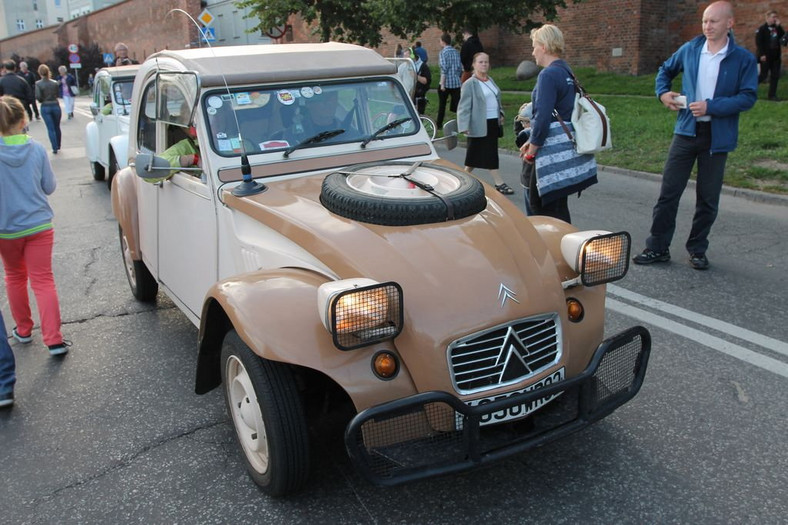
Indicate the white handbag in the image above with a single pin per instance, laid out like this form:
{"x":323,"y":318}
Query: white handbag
{"x":589,"y":118}
{"x":592,"y":126}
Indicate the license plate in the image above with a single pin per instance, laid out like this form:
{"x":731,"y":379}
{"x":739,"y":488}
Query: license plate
{"x":522,"y":410}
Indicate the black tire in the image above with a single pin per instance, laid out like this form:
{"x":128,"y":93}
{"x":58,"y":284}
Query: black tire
{"x":388,"y":205}
{"x":97,"y":170}
{"x":268,"y":417}
{"x":113,"y":169}
{"x":143,"y":286}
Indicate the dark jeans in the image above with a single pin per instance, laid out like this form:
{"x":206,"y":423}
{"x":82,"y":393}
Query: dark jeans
{"x":7,"y":364}
{"x":31,"y":108}
{"x":444,"y":94}
{"x":770,"y":68}
{"x":51,"y":114}
{"x":684,"y":152}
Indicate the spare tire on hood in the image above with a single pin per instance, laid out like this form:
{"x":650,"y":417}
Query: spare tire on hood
{"x":402,"y":193}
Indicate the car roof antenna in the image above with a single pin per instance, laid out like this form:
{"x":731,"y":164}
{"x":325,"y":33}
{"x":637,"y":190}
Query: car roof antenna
{"x":248,"y":185}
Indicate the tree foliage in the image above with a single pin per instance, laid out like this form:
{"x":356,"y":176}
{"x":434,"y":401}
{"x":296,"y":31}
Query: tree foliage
{"x":338,"y":20}
{"x":403,"y":19}
{"x":361,"y":21}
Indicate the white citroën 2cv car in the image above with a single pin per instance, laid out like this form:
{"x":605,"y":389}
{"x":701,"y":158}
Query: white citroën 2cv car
{"x":318,"y":241}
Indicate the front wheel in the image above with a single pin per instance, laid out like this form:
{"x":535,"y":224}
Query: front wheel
{"x":143,"y":286}
{"x":97,"y":170}
{"x":113,"y":169}
{"x":268,"y":417}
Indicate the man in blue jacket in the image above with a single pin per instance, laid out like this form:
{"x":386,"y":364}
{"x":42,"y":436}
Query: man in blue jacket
{"x":719,"y":81}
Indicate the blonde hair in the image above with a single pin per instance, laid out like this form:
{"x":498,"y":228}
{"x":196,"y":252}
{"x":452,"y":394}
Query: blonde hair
{"x":12,"y":112}
{"x":550,"y":37}
{"x":44,"y":72}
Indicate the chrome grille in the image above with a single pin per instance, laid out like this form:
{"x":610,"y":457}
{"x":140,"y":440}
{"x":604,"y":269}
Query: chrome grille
{"x":505,"y":354}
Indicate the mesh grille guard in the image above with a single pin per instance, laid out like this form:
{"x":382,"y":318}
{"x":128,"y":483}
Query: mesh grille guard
{"x":435,"y":433}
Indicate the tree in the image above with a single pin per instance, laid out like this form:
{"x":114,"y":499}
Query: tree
{"x":339,"y":20}
{"x":406,"y":19}
{"x":360,"y":22}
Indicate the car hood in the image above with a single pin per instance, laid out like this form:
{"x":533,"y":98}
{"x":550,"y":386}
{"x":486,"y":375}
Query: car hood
{"x":458,"y":277}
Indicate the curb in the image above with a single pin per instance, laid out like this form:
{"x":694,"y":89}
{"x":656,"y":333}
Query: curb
{"x":762,"y":197}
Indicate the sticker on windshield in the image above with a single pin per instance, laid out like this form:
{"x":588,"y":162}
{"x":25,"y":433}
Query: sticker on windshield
{"x":242,"y":99}
{"x":215,"y":102}
{"x":260,"y":99}
{"x":273,"y":144}
{"x":307,"y":92}
{"x":317,"y":90}
{"x":211,"y":111}
{"x":285,"y":97}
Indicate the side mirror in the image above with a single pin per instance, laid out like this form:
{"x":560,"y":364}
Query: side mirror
{"x":149,"y":166}
{"x":450,"y":130}
{"x":450,"y":134}
{"x":94,"y":109}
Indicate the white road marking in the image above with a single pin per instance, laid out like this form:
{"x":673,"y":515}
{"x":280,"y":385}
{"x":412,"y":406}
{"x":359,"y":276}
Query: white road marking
{"x":715,"y":324}
{"x":716,"y":343}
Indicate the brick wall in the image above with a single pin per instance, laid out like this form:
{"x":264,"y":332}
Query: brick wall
{"x":141,"y":24}
{"x":642,"y":33}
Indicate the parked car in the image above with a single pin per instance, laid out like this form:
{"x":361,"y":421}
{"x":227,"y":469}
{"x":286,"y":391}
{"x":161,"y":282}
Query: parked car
{"x":319,"y":243}
{"x":106,"y":136}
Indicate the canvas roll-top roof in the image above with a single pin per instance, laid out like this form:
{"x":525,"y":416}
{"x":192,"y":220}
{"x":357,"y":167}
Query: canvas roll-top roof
{"x":279,"y":63}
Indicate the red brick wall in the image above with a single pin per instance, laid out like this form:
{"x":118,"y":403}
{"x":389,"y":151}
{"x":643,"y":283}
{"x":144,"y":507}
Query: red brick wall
{"x":646,"y":31}
{"x":141,"y":24}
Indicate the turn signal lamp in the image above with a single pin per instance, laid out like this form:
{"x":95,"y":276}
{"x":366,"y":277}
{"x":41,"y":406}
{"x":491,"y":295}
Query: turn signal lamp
{"x":385,"y":365}
{"x":574,"y":310}
{"x":360,"y":312}
{"x":598,"y":256}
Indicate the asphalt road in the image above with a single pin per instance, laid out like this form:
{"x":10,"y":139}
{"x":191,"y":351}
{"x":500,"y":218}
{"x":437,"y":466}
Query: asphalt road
{"x":114,"y":433}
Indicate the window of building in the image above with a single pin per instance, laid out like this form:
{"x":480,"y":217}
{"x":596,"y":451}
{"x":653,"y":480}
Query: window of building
{"x":39,"y":23}
{"x":20,"y":24}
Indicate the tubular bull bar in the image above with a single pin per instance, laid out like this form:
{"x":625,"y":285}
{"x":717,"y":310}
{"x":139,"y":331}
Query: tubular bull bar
{"x":435,"y":433}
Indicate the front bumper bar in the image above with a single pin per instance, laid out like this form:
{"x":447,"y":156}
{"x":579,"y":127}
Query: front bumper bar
{"x":435,"y":433}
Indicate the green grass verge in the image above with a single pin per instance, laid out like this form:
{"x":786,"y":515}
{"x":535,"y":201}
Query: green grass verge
{"x":643,"y":128}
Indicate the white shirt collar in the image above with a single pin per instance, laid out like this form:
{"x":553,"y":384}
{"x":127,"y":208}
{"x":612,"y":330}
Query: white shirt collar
{"x":721,"y":51}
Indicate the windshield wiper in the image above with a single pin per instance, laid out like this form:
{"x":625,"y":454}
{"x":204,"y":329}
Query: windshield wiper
{"x":320,"y":137}
{"x":391,"y":125}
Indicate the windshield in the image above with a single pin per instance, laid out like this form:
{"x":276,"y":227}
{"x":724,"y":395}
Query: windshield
{"x":279,"y":118}
{"x":122,"y":91}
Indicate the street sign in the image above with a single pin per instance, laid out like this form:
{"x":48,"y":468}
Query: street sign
{"x":206,"y":17}
{"x":208,"y":34}
{"x":109,"y":58}
{"x":73,"y":48}
{"x":76,"y":65}
{"x":73,"y":58}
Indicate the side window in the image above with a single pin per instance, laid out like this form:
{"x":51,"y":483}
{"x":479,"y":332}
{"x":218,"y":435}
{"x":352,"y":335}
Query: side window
{"x":146,"y":127}
{"x":101,"y":92}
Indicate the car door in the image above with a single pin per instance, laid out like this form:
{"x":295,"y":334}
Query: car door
{"x":187,"y":231}
{"x":106,"y":121}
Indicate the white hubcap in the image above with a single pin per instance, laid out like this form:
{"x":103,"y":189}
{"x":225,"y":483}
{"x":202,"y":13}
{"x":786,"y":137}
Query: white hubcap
{"x":247,"y":418}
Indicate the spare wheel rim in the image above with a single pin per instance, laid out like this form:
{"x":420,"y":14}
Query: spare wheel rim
{"x":384,"y":181}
